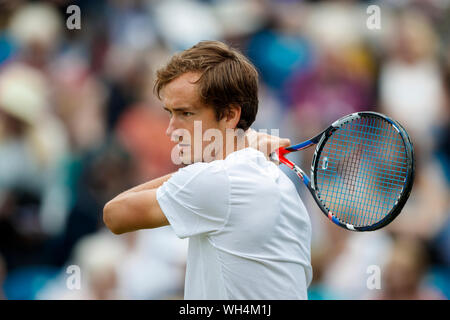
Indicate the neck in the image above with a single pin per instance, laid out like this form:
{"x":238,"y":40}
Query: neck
{"x":234,"y":140}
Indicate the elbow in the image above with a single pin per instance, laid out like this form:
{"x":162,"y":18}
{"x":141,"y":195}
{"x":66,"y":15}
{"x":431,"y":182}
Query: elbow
{"x":111,"y":217}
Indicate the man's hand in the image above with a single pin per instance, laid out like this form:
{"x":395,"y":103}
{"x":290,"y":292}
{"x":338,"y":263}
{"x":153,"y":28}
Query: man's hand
{"x":264,"y":142}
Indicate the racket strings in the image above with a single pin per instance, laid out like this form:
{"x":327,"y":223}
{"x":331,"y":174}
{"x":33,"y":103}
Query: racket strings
{"x":370,"y":183}
{"x":362,"y":171}
{"x":369,"y":179}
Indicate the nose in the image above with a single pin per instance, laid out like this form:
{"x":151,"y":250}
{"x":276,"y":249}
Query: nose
{"x":174,"y":130}
{"x":170,"y":128}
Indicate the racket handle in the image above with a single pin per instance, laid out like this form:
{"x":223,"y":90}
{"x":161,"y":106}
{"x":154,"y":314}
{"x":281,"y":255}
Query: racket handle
{"x":274,"y":157}
{"x":278,"y":157}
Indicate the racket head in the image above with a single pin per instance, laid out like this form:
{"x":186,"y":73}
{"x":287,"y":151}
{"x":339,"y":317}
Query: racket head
{"x":363,"y":171}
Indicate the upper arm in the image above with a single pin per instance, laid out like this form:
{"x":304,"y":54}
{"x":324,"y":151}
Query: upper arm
{"x":196,"y":199}
{"x":134,"y":211}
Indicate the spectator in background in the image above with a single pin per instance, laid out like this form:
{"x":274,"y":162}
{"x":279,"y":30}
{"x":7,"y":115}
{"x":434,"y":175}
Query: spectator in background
{"x":102,"y":172}
{"x":33,"y":195}
{"x":280,"y":50}
{"x":412,"y":92}
{"x":142,"y":131}
{"x":36,"y":28}
{"x":427,"y":208}
{"x":97,"y":255}
{"x":338,"y":83}
{"x":80,"y":99}
{"x":32,"y":144}
{"x":411,"y":82}
{"x":403,"y":276}
{"x":154,"y":266}
{"x":347,"y":259}
{"x":339,"y":80}
{"x":133,"y":266}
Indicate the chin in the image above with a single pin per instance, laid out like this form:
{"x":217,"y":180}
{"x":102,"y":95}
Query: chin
{"x":186,"y":160}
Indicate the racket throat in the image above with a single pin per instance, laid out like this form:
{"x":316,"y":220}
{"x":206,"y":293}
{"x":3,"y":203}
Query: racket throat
{"x":279,"y":157}
{"x":302,"y":175}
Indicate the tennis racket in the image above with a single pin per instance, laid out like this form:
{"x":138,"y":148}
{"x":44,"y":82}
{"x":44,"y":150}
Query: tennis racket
{"x":362,"y":170}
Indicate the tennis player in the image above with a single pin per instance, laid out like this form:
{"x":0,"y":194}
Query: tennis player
{"x":249,"y":232}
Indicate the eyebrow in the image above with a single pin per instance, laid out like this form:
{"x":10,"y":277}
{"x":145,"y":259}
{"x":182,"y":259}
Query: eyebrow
{"x":179,"y":109}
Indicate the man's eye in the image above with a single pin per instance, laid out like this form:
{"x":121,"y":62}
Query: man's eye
{"x":187,"y":114}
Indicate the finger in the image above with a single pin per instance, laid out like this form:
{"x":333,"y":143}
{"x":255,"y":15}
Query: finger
{"x":285,"y":143}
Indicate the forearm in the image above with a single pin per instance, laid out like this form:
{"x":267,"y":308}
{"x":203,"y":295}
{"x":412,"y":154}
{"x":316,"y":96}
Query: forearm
{"x":149,"y":185}
{"x":136,"y":208}
{"x":134,"y":211}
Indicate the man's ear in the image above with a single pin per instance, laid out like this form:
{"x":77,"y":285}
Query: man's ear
{"x":233,"y":116}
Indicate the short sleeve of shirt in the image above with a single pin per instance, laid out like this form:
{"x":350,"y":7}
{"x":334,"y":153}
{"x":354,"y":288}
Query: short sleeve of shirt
{"x":195,"y":199}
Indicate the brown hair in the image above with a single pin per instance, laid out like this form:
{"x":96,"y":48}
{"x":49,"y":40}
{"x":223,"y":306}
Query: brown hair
{"x":228,"y":78}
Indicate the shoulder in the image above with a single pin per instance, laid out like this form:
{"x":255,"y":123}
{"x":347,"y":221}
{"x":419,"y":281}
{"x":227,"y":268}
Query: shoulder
{"x":250,"y":166}
{"x":202,"y":171}
{"x":196,"y":199}
{"x":200,"y":178}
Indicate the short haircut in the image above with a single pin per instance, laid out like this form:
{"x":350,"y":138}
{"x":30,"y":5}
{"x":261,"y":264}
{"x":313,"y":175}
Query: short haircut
{"x":227,"y":78}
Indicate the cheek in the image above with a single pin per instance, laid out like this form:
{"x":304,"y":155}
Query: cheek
{"x":182,"y":129}
{"x":212,"y":131}
{"x":209,"y":120}
{"x":205,"y":125}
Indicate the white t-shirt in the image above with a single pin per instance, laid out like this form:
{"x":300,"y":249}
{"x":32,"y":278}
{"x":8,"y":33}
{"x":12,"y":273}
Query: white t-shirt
{"x":249,"y":232}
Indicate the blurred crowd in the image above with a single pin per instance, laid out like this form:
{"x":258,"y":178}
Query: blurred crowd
{"x":79,"y":124}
